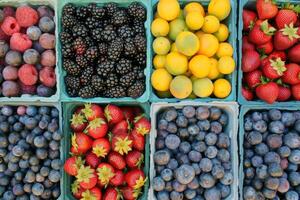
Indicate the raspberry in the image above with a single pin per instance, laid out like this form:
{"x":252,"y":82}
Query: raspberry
{"x":27,"y":89}
{"x":10,"y":26}
{"x":20,"y":42}
{"x":26,"y":16}
{"x":28,"y":74}
{"x":47,"y":77}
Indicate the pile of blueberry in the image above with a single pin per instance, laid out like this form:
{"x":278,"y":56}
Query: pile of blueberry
{"x":192,"y":158}
{"x":271,"y":155}
{"x":29,"y":153}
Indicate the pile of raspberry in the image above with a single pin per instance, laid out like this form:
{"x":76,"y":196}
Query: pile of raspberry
{"x":27,"y":51}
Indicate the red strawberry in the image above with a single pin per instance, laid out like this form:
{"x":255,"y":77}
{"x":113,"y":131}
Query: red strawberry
{"x":134,"y":159}
{"x":267,"y":91}
{"x":261,"y":33}
{"x":250,"y":61}
{"x":247,"y":46}
{"x":129,"y":193}
{"x":101,"y":147}
{"x":286,"y":37}
{"x":296,"y":91}
{"x":77,"y":190}
{"x":92,"y":111}
{"x":97,"y":128}
{"x":116,"y":160}
{"x":284,"y":93}
{"x":105,"y":173}
{"x":265,"y":48}
{"x":135,"y":178}
{"x":92,"y":194}
{"x":253,"y":78}
{"x":118,"y":179}
{"x":79,"y":109}
{"x":121,"y":143}
{"x":278,"y":54}
{"x":285,"y":17}
{"x":78,"y":122}
{"x":111,"y":194}
{"x":128,"y":113}
{"x":292,"y":74}
{"x":121,"y":127}
{"x":113,"y":114}
{"x":142,"y":125}
{"x":72,"y":165}
{"x":92,"y":160}
{"x":87,"y":177}
{"x":138,"y":141}
{"x":273,"y":69}
{"x":294,"y":54}
{"x":247,"y":94}
{"x":249,"y":17}
{"x":266,"y":9}
{"x":81,"y":143}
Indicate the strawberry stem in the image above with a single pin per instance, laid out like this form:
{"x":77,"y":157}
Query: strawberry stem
{"x":264,"y":26}
{"x":290,"y":31}
{"x":278,"y":65}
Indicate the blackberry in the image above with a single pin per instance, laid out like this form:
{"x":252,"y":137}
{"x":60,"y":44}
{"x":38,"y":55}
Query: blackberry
{"x":86,"y":75}
{"x":72,"y":92}
{"x":102,"y":59}
{"x":72,"y":82}
{"x":115,"y":92}
{"x":91,"y":7}
{"x":125,"y":32}
{"x":105,"y":68}
{"x":71,"y":67}
{"x":138,"y":27}
{"x":127,"y":79}
{"x":87,"y":92}
{"x":89,"y":41}
{"x":68,"y":21}
{"x":67,"y":51}
{"x":91,"y":53}
{"x":96,"y":34}
{"x":111,"y":8}
{"x":140,"y":59}
{"x":65,"y":37}
{"x":136,"y":90}
{"x":81,"y":61}
{"x":124,"y":66}
{"x":82,"y":12}
{"x":98,"y":83}
{"x":137,"y":11}
{"x":111,"y":80}
{"x":119,"y":18}
{"x":80,"y":31}
{"x":98,"y":12}
{"x":139,"y":72}
{"x":108,"y":34}
{"x":106,"y":22}
{"x":92,"y":23}
{"x":129,"y":48}
{"x":79,"y":46}
{"x":140,"y":43}
{"x":115,"y":49}
{"x":102,"y":47}
{"x":69,"y":9}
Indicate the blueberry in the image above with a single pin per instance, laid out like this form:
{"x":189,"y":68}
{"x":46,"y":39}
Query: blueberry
{"x":162,"y":124}
{"x":176,"y":195}
{"x":33,"y":32}
{"x":249,"y":193}
{"x":4,"y":180}
{"x":295,"y":157}
{"x":37,"y":189}
{"x":223,"y":140}
{"x":18,"y":176}
{"x":31,"y":56}
{"x":29,"y":177}
{"x":205,"y":165}
{"x":13,"y":58}
{"x":178,"y":187}
{"x":297,"y":126}
{"x":3,"y":167}
{"x":52,"y":127}
{"x":218,"y":171}
{"x":4,"y":127}
{"x":158,"y":184}
{"x":41,"y":153}
{"x":272,"y":183}
{"x":184,"y":147}
{"x":193,"y":129}
{"x":206,"y":180}
{"x":248,"y":124}
{"x":211,"y":152}
{"x":185,"y":174}
{"x":44,"y":171}
{"x":223,"y":119}
{"x":18,"y":190}
{"x":46,"y":24}
{"x":276,"y":127}
{"x":254,"y":137}
{"x":204,"y":125}
{"x":275,"y":170}
{"x":54,"y":176}
{"x":44,"y":110}
{"x":23,"y":164}
{"x":172,"y":141}
{"x":249,"y":172}
{"x":46,"y":194}
{"x":166,"y":174}
{"x":54,"y":145}
{"x":260,"y":126}
{"x":39,"y":141}
{"x":292,"y":167}
{"x":261,"y":149}
{"x":291,"y":140}
{"x":291,"y":195}
{"x":4,"y":47}
{"x":182,"y":121}
{"x":18,"y":127}
{"x":162,"y":157}
{"x":202,"y":113}
{"x":3,"y":142}
{"x":215,"y":127}
{"x":194,"y":156}
{"x":294,"y":178}
{"x":257,"y":161}
{"x":53,"y":154}
{"x":274,"y":114}
{"x":13,"y":138}
{"x":288,"y":119}
{"x":212,"y":194}
{"x":172,"y":128}
{"x":183,"y":159}
{"x":189,"y":193}
{"x":227,"y":179}
{"x":8,"y":195}
{"x":284,"y":185}
{"x":188,"y":111}
{"x":170,"y":114}
{"x":162,"y":195}
{"x":224,"y":189}
{"x":274,"y":141}
{"x":256,"y":116}
{"x":18,"y":150}
{"x":211,"y":139}
{"x":31,"y":123}
{"x":47,"y":135}
{"x":271,"y":157}
{"x":257,"y":184}
{"x":159,"y":143}
{"x":45,"y":91}
{"x":7,"y":110}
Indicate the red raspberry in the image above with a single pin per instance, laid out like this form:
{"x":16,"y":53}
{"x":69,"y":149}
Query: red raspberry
{"x":27,"y":89}
{"x":20,"y":42}
{"x":47,"y":76}
{"x":9,"y":11}
{"x":26,"y":16}
{"x":10,"y":26}
{"x":28,"y":74}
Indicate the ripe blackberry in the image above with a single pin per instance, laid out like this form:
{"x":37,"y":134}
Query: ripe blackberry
{"x":138,"y":27}
{"x":79,"y":31}
{"x":65,"y":37}
{"x":102,"y":47}
{"x":67,"y":50}
{"x":105,"y":68}
{"x":140,"y":59}
{"x":115,"y":49}
{"x":68,"y":21}
{"x":108,"y":33}
{"x":124,"y":66}
{"x":140,"y":43}
{"x":111,"y":80}
{"x":119,"y":18}
{"x":87,"y":92}
{"x":91,"y":7}
{"x":125,"y":32}
{"x":79,"y":46}
{"x":89,"y":41}
{"x":129,"y":48}
{"x":139,"y":72}
{"x":115,"y":92}
{"x":137,"y":11}
{"x":96,"y":34}
{"x":136,"y":90}
{"x":81,"y":61}
{"x":82,"y":12}
{"x":71,"y":67}
{"x":92,"y":23}
{"x":127,"y":79}
{"x":98,"y":12}
{"x":69,"y":9}
{"x":72,"y":82}
{"x":86,"y":75}
{"x":72,"y":92}
{"x":92,"y":53}
{"x":111,"y":8}
{"x":98,"y":83}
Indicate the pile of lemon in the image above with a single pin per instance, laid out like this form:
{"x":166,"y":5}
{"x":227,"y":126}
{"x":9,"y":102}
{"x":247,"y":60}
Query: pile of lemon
{"x":191,"y":52}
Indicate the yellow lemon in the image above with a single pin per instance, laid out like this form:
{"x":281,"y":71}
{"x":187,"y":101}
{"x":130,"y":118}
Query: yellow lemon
{"x":214,"y":72}
{"x":168,"y":9}
{"x":161,"y":79}
{"x":208,"y":45}
{"x":193,"y":6}
{"x":222,"y":88}
{"x":203,"y":87}
{"x":160,"y":27}
{"x":194,"y":20}
{"x":225,"y":49}
{"x":176,"y":27}
{"x":187,"y":43}
{"x":219,"y":8}
{"x":199,"y":65}
{"x":159,"y":61}
{"x":226,"y":65}
{"x":164,"y":94}
{"x":181,"y":87}
{"x":222,"y":33}
{"x":211,"y":24}
{"x":176,"y":63}
{"x":161,"y":45}
{"x":173,"y":47}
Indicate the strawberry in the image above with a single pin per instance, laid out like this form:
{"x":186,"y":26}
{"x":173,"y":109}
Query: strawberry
{"x":134,"y":159}
{"x":76,"y":190}
{"x":273,"y":69}
{"x":296,"y":91}
{"x":267,"y":91}
{"x":92,"y":194}
{"x":249,"y":18}
{"x":113,"y":114}
{"x":118,"y":179}
{"x":294,"y":54}
{"x":266,"y":9}
{"x":284,"y":93}
{"x":278,"y":54}
{"x":92,"y":160}
{"x":135,"y":178}
{"x":101,"y":147}
{"x":72,"y":165}
{"x":97,"y":128}
{"x":247,"y":94}
{"x":250,"y":61}
{"x":128,"y":113}
{"x":92,"y":111}
{"x":138,"y":141}
{"x":247,"y":46}
{"x":286,"y":37}
{"x":285,"y":17}
{"x":86,"y":177}
{"x":78,"y":122}
{"x":266,"y":48}
{"x":121,"y":143}
{"x":111,"y":194}
{"x":253,"y":78}
{"x":261,"y":33}
{"x":292,"y":74}
{"x":129,"y":193}
{"x":105,"y":173}
{"x":116,"y":160}
{"x":121,"y":127}
{"x":81,"y":143}
{"x":142,"y":125}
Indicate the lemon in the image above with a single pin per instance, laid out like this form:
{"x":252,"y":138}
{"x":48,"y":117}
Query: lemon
{"x":208,"y":45}
{"x":173,"y":47}
{"x":214,"y":72}
{"x":161,"y":45}
{"x":222,"y":88}
{"x":194,"y":6}
{"x":225,"y":49}
{"x":187,"y":43}
{"x":226,"y":65}
{"x":164,"y":94}
{"x":199,"y":65}
{"x":203,"y":87}
{"x":168,"y":9}
{"x":211,"y":24}
{"x":161,"y":79}
{"x":176,"y":27}
{"x":159,"y":61}
{"x":160,"y":27}
{"x":222,"y":33}
{"x":176,"y":63}
{"x":194,"y":20}
{"x":219,"y":8}
{"x":181,"y":87}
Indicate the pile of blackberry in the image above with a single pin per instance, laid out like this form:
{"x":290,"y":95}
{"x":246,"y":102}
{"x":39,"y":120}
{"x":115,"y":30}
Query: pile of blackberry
{"x":104,"y":50}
